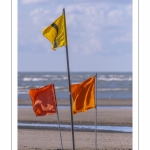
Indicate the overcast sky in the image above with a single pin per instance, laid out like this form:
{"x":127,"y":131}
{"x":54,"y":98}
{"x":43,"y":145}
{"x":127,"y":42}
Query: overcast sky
{"x":99,"y":35}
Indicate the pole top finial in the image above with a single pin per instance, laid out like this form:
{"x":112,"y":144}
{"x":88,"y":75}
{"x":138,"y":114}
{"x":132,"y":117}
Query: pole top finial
{"x":63,"y":10}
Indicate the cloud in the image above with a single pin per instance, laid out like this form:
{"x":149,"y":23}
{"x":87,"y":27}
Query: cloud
{"x":38,"y":14}
{"x":125,"y":38}
{"x":85,"y":43}
{"x":129,"y":9}
{"x":33,"y":1}
{"x":92,"y":46}
{"x":97,"y":30}
{"x":115,"y":17}
{"x":86,"y":16}
{"x":35,"y":15}
{"x":90,"y":26}
{"x":77,"y":1}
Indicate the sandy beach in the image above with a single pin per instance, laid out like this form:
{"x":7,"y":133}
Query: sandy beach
{"x":45,"y":139}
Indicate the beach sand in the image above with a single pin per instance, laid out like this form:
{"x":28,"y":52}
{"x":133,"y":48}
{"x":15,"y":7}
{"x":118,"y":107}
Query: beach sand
{"x":45,"y":139}
{"x":48,"y":139}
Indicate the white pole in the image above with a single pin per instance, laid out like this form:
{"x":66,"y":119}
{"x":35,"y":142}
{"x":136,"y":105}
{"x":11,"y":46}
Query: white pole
{"x":59,"y":130}
{"x":96,"y":113}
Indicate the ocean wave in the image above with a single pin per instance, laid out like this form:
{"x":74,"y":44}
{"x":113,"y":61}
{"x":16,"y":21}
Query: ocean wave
{"x":23,"y":92}
{"x":57,"y":79}
{"x":65,"y":89}
{"x":113,"y":89}
{"x":34,"y":79}
{"x":114,"y":79}
{"x":108,"y":84}
{"x":28,"y":87}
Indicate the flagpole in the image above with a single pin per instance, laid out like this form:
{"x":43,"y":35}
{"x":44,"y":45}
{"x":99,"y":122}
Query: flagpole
{"x":96,"y":114}
{"x":72,"y":128}
{"x":59,"y":129}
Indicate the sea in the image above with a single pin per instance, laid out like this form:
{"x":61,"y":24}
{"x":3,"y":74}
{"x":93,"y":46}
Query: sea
{"x":116,"y":85}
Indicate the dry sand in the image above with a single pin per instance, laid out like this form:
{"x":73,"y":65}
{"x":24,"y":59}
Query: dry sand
{"x":44,"y":139}
{"x":47,"y":139}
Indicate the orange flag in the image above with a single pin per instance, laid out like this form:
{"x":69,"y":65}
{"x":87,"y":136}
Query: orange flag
{"x":83,"y":95}
{"x":43,"y":100}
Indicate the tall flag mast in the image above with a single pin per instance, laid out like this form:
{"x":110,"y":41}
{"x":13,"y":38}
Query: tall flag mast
{"x":72,"y":127}
{"x":56,"y":33}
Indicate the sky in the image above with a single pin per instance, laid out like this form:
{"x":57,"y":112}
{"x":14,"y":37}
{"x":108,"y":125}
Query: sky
{"x":99,"y":35}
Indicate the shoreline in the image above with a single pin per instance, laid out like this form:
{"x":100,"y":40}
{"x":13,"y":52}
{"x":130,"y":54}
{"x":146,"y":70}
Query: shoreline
{"x":80,"y":128}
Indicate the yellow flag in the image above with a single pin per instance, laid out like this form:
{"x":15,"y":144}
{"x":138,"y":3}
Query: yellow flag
{"x":83,"y":95}
{"x":56,"y":33}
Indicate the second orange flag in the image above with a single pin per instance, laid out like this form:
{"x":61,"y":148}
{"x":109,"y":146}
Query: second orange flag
{"x":83,"y":95}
